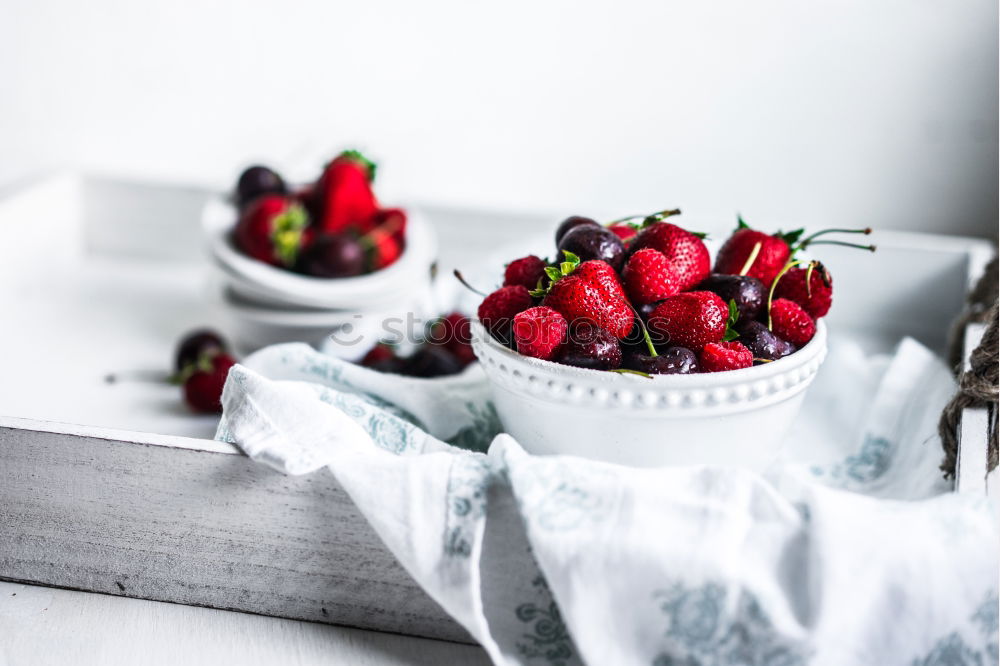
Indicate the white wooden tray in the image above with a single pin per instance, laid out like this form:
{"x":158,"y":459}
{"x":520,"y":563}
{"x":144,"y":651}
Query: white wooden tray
{"x":135,"y":499}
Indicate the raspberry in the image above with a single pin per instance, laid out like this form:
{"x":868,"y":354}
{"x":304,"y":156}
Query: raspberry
{"x":497,"y":310}
{"x":539,"y":332}
{"x":649,"y":276}
{"x":790,"y":322}
{"x":526,"y":272}
{"x":722,"y":356}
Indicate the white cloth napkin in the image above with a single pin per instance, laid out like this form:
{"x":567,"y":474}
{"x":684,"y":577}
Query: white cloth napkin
{"x":853,"y":552}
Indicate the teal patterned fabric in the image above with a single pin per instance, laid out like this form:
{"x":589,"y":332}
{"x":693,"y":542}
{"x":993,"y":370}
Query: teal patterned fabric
{"x":560,"y":561}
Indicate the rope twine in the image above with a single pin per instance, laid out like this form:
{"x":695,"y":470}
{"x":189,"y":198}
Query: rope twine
{"x":977,"y":386}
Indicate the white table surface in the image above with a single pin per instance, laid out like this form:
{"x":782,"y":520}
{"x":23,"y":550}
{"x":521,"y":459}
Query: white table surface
{"x":42,"y":626}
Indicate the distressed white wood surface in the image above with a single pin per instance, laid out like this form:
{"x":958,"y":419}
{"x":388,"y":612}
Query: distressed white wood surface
{"x":41,"y":626}
{"x":198,"y":526}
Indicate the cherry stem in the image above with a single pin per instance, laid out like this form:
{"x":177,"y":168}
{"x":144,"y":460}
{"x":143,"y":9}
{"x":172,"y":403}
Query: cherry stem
{"x":659,"y":216}
{"x":805,"y":242}
{"x":645,"y":332}
{"x":153,"y":376}
{"x":752,"y":258}
{"x":870,"y":248}
{"x":770,"y":293}
{"x":468,"y":286}
{"x":627,"y":371}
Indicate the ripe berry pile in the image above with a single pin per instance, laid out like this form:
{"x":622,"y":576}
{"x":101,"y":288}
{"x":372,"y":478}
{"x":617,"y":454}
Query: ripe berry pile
{"x":446,"y":350}
{"x":333,"y":228}
{"x":642,"y":296}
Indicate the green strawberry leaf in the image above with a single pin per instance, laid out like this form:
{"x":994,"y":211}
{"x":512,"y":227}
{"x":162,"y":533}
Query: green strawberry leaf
{"x":700,"y":234}
{"x":734,"y":315}
{"x":740,"y":224}
{"x":569,"y":264}
{"x":540,"y":290}
{"x":356,"y":156}
{"x":791,"y":237}
{"x":553,"y":273}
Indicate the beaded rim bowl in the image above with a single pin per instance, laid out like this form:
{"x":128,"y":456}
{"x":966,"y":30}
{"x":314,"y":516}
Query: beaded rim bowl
{"x":690,"y":395}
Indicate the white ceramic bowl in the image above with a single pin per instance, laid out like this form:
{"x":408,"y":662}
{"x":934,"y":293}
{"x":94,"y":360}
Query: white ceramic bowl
{"x":342,"y":333}
{"x":736,"y":418}
{"x":256,"y":280}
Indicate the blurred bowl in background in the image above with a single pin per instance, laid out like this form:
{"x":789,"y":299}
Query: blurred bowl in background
{"x":264,"y":305}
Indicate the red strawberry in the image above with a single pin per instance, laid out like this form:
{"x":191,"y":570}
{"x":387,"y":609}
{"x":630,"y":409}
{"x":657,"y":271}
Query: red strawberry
{"x":722,"y":356}
{"x":526,"y":271}
{"x":603,"y":276}
{"x":345,"y":193}
{"x":790,"y":322}
{"x":579,"y":299}
{"x":649,"y":276}
{"x":452,"y":332}
{"x":815,"y":298}
{"x":273,"y":228}
{"x":624,"y":231}
{"x":539,"y":332}
{"x":497,"y":310}
{"x":385,"y":240}
{"x":692,"y":319}
{"x":683,"y":249}
{"x":203,"y":388}
{"x":738,"y":251}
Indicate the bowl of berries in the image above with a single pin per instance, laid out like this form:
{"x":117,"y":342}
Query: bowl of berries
{"x":632,"y":348}
{"x":288,"y":260}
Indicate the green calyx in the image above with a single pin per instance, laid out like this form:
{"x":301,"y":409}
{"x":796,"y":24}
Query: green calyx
{"x":204,"y":363}
{"x":357,"y":156}
{"x":556,"y":273}
{"x":734,"y":315}
{"x":286,"y":233}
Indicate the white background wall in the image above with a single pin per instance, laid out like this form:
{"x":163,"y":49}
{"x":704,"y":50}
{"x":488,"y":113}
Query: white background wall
{"x":878,"y":112}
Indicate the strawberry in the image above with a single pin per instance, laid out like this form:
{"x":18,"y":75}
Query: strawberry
{"x":691,"y":319}
{"x":203,"y":386}
{"x":274,"y":229}
{"x":684,"y":249}
{"x":649,"y":276}
{"x":624,"y":231}
{"x":539,"y":332}
{"x":815,"y":296}
{"x":345,"y":193}
{"x":580,"y":300}
{"x":526,"y":271}
{"x":497,"y":310}
{"x":790,"y":322}
{"x":603,"y":276}
{"x":722,"y":356}
{"x":735,"y":254}
{"x":452,"y":332}
{"x":384,"y":240}
{"x":592,"y":292}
